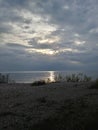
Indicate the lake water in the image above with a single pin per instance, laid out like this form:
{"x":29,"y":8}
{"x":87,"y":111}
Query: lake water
{"x":31,"y":76}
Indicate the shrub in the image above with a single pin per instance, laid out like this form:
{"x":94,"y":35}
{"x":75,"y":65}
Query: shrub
{"x":96,"y":82}
{"x":73,"y":78}
{"x":95,"y":85}
{"x":58,"y":78}
{"x":86,"y":78}
{"x":38,"y":83}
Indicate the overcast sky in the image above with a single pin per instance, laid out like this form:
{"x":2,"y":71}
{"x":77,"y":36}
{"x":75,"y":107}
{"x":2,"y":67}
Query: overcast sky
{"x":49,"y":35}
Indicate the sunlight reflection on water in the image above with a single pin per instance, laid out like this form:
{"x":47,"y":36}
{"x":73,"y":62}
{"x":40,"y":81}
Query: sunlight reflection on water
{"x":52,"y":76}
{"x":31,"y":76}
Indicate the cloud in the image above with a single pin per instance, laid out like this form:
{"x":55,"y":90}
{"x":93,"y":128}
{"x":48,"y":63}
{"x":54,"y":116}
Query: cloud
{"x":63,"y":34}
{"x":15,"y":45}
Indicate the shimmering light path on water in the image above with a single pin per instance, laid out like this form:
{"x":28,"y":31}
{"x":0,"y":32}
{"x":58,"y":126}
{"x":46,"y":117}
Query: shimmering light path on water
{"x":31,"y":76}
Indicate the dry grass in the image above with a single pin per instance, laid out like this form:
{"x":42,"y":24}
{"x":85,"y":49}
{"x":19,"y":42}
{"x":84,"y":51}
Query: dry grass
{"x":73,"y":115}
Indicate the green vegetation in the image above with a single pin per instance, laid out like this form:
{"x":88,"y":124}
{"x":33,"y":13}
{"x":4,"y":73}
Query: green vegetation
{"x":4,"y":78}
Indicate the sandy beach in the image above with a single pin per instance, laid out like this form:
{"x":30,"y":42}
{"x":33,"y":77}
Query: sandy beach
{"x":26,"y":107}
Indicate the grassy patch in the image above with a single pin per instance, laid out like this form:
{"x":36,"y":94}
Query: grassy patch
{"x":42,"y":100}
{"x":9,"y":113}
{"x":74,"y":115}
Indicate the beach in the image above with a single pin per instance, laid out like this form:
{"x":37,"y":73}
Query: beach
{"x":27,"y":107}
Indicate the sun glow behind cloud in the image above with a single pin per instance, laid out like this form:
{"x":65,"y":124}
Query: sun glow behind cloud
{"x":42,"y":51}
{"x":51,"y":52}
{"x":77,"y":42}
{"x":49,"y":40}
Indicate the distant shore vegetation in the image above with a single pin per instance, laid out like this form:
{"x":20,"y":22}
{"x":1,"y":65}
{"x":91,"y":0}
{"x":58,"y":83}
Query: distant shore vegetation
{"x":75,"y":78}
{"x":80,"y":77}
{"x":68,"y":78}
{"x":5,"y":78}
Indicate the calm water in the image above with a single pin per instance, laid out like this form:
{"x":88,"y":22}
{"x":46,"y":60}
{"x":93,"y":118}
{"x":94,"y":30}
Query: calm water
{"x":31,"y":76}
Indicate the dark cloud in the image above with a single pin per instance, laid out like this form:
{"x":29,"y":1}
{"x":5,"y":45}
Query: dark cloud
{"x":43,"y":46}
{"x":13,"y":3}
{"x":15,"y":45}
{"x":5,"y":28}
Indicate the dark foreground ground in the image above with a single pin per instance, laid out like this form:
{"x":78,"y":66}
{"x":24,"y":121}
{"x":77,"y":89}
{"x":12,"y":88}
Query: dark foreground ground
{"x":57,"y":106}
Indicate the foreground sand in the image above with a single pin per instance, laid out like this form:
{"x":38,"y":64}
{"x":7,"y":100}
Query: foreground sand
{"x":23,"y":107}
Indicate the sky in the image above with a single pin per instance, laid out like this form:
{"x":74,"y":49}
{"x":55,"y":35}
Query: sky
{"x":49,"y":35}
